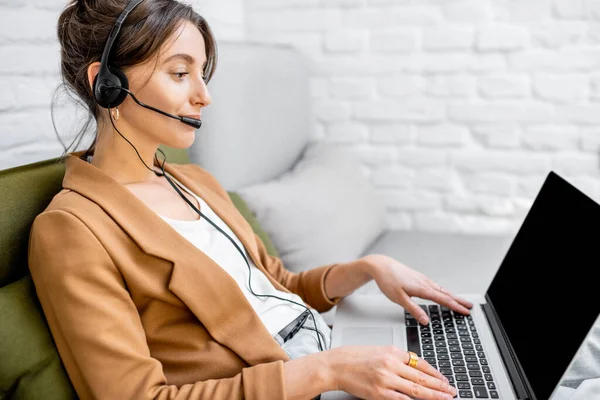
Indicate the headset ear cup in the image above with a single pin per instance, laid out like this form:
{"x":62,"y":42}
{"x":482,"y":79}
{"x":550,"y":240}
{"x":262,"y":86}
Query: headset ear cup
{"x":109,"y":94}
{"x":124,"y":83}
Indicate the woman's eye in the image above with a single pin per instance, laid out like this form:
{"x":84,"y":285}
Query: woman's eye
{"x":180,"y":75}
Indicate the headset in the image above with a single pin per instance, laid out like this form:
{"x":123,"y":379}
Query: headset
{"x":111,"y":87}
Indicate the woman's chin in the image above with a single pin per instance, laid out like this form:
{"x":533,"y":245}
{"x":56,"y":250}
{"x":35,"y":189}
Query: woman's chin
{"x":183,"y":139}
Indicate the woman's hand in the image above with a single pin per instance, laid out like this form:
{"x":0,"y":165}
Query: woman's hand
{"x":382,"y":373}
{"x":399,"y":283}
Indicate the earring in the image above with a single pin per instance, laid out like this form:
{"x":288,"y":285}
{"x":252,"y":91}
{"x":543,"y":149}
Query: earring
{"x":115,"y":118}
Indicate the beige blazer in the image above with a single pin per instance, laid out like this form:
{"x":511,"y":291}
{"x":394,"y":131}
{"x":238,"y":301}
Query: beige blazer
{"x":138,"y":312}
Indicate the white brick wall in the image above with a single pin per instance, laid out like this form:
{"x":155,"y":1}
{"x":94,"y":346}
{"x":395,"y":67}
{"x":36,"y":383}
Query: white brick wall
{"x":457,"y":109}
{"x":29,"y":54}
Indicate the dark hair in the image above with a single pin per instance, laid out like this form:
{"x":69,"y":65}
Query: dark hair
{"x":83,"y":29}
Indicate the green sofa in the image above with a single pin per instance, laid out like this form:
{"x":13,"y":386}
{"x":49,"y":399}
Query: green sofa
{"x":30,"y":367}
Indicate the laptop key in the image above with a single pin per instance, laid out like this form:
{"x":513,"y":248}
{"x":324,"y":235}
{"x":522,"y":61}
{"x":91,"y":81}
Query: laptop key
{"x":473,"y":366}
{"x":430,"y":360}
{"x":465,"y":394}
{"x":460,"y":370}
{"x":445,"y":363}
{"x":446,"y":371}
{"x":427,"y":347}
{"x":480,"y":392}
{"x":494,"y":394}
{"x":485,"y":369}
{"x":464,"y":385}
{"x":458,"y":363}
{"x":477,"y":382}
{"x":412,"y":339}
{"x":488,"y":377}
{"x":461,"y":377}
{"x":491,"y":385}
{"x":483,"y":361}
{"x":475,"y":374}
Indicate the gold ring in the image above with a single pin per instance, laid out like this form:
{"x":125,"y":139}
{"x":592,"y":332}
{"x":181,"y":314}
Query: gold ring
{"x":413,"y":360}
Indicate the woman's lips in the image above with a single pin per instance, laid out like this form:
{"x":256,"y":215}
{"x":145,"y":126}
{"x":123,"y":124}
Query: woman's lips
{"x":195,"y":116}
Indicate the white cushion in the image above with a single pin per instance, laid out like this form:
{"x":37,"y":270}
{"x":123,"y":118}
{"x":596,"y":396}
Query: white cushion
{"x":259,"y":90}
{"x":323,"y":210}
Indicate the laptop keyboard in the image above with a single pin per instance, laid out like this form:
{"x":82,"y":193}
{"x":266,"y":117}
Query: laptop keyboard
{"x":451,"y":344}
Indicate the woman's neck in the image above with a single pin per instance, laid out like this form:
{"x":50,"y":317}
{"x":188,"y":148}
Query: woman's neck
{"x":118,"y":159}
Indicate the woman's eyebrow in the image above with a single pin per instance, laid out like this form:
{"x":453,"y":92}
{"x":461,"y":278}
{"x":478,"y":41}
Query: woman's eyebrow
{"x":185,"y":57}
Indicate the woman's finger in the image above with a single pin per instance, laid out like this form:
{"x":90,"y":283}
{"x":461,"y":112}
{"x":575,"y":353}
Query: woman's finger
{"x":422,"y":366}
{"x":445,"y":300}
{"x":426,"y":380}
{"x":464,"y":302}
{"x":425,"y":375}
{"x":418,"y":391}
{"x":413,"y":308}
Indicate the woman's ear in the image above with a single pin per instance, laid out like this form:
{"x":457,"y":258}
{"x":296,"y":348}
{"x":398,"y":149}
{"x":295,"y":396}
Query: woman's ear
{"x":92,"y":71}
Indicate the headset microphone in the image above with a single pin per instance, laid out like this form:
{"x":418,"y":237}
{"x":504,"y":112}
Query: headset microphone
{"x":196,"y":123}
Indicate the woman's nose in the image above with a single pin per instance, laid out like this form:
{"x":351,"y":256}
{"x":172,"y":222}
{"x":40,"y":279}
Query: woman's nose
{"x":201,"y":94}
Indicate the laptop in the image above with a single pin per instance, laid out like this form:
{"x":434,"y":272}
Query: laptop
{"x":524,"y":332}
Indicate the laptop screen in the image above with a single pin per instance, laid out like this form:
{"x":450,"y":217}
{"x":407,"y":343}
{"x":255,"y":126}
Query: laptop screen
{"x":544,"y":293}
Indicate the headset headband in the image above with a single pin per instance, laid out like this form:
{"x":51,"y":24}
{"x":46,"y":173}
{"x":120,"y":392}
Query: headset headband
{"x":105,"y":93}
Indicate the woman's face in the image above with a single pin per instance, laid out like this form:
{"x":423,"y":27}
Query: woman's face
{"x":172,"y":82}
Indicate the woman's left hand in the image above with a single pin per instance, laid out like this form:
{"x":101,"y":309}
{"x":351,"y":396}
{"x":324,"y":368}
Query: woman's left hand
{"x":399,"y":283}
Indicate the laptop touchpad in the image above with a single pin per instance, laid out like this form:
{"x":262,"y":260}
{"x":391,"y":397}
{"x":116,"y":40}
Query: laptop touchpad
{"x":354,"y":336}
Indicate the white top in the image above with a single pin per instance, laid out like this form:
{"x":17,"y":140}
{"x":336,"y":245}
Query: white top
{"x":274,"y":313}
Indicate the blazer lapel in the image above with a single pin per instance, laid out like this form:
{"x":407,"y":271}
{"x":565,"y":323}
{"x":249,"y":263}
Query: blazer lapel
{"x":206,"y":289}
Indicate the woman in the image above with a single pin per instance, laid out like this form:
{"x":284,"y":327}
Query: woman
{"x":146,"y":300}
